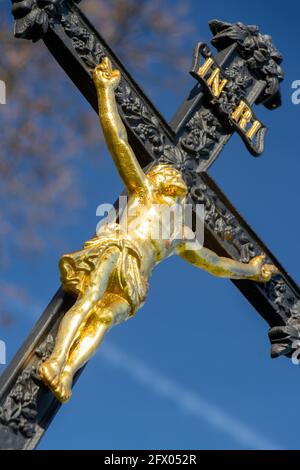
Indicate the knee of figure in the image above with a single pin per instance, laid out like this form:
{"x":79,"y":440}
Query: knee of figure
{"x":106,"y":317}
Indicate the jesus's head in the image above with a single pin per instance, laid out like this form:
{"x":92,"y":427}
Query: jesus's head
{"x":167,"y":181}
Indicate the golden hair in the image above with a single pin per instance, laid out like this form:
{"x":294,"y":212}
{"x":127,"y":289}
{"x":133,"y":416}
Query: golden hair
{"x":160,"y":176}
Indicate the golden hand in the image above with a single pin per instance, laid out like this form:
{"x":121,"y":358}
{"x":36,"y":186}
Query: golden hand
{"x":265,"y":272}
{"x":104,"y":76}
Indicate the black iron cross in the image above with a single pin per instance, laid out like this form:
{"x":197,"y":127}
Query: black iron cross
{"x":245,"y":71}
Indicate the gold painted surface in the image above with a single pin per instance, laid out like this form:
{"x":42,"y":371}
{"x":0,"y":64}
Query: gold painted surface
{"x":110,"y":275}
{"x":215,"y":82}
{"x":254,"y":129}
{"x":243,"y":115}
{"x":217,"y":85}
{"x":205,"y":67}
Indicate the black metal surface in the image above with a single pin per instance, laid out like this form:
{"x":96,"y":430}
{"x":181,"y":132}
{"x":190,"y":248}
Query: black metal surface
{"x":191,"y":143}
{"x":26,"y":406}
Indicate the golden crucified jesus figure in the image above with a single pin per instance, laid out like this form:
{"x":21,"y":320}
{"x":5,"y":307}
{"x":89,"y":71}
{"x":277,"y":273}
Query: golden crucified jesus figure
{"x":110,"y":274}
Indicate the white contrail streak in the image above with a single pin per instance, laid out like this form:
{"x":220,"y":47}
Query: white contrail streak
{"x":184,"y":399}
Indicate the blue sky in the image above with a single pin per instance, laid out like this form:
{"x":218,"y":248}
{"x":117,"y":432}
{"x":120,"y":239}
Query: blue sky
{"x":193,"y":368}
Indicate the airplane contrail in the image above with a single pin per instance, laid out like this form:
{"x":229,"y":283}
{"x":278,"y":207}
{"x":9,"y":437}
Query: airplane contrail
{"x":190,"y":402}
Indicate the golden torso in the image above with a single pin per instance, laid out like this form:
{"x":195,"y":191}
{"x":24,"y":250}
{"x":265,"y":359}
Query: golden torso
{"x":146,"y":224}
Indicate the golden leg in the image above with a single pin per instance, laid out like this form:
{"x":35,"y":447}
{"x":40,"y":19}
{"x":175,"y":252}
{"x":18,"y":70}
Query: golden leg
{"x":75,"y":318}
{"x":91,"y":334}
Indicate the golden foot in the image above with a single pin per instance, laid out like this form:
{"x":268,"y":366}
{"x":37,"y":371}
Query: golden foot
{"x":49,"y":371}
{"x":62,"y":387}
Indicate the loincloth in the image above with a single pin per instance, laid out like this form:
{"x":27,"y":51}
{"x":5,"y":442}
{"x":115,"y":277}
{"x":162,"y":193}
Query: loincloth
{"x":126,"y":278}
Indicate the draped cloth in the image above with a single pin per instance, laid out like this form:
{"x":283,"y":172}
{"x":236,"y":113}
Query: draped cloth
{"x":126,"y":279}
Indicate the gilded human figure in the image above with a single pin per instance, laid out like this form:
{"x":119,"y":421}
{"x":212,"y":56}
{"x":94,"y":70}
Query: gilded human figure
{"x":110,"y":275}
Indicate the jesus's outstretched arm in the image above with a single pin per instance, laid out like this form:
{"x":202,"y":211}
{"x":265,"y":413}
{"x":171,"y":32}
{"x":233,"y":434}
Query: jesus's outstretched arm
{"x":255,"y":270}
{"x":106,"y":81}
